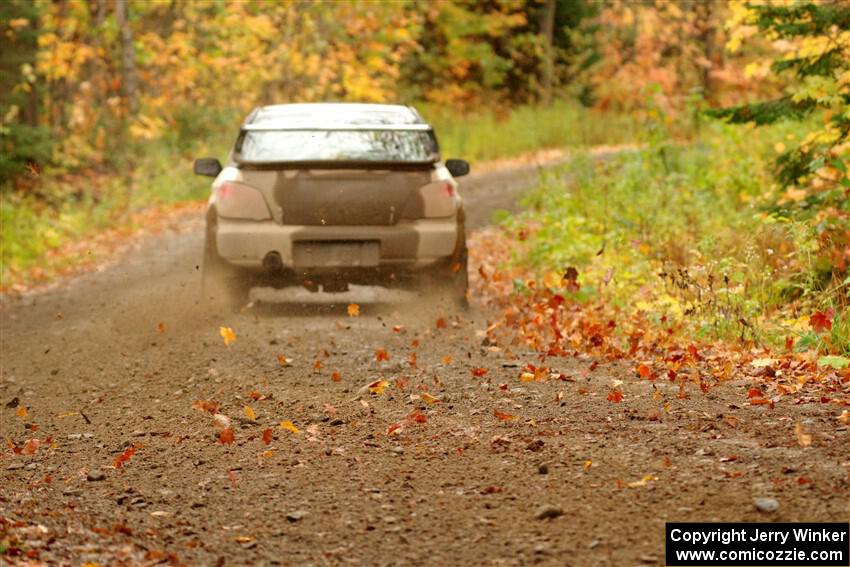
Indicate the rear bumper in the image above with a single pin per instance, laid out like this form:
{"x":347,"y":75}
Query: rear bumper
{"x":407,"y":244}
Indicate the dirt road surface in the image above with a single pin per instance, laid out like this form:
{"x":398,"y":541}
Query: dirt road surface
{"x":424,"y":472}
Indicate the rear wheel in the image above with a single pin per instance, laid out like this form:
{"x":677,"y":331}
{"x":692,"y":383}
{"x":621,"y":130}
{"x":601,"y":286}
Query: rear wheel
{"x":221,"y":281}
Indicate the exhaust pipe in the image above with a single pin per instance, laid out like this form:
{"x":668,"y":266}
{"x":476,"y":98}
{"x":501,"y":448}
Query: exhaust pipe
{"x":273,"y":262}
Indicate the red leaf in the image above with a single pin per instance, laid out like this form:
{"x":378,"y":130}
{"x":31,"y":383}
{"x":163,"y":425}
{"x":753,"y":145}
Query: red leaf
{"x":504,"y":416}
{"x":754,"y":393}
{"x":268,"y":434}
{"x":615,"y":396}
{"x":210,"y":406}
{"x":789,"y":344}
{"x":441,"y":323}
{"x":822,"y":320}
{"x":124,"y":457}
{"x":381,"y":354}
{"x":226,"y":436}
{"x":479,"y":372}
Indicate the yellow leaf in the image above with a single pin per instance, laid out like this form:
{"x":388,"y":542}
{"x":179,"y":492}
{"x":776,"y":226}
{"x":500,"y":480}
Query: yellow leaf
{"x":268,"y":453}
{"x":288,"y":425}
{"x":227,"y":334}
{"x":803,"y":439}
{"x":249,"y":412}
{"x":429,"y":399}
{"x":779,"y":147}
{"x":21,"y":411}
{"x":526,"y":377}
{"x":447,"y":359}
{"x":378,"y":386}
{"x":844,"y":417}
{"x":353,"y":310}
{"x":642,"y":482}
{"x":587,"y":464}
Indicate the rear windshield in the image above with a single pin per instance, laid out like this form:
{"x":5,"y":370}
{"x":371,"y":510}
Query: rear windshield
{"x":261,"y":146}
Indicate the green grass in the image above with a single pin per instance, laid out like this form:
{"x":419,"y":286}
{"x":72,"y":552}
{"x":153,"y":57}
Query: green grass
{"x":687,"y":231}
{"x":486,"y":136}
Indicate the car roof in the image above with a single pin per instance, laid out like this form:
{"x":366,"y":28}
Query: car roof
{"x":332,"y":114}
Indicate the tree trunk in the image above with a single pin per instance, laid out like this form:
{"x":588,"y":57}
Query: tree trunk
{"x":129,"y":81}
{"x":547,"y":30}
{"x":707,"y":30}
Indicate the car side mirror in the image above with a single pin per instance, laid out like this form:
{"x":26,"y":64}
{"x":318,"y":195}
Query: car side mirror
{"x":208,"y":166}
{"x":457,"y":167}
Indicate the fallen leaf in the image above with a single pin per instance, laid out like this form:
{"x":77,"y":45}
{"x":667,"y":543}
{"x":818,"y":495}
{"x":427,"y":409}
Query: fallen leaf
{"x":526,"y":377}
{"x":447,"y":359}
{"x":479,"y":372}
{"x":378,"y":386}
{"x":267,"y":453}
{"x":227,"y":334}
{"x":822,"y":320}
{"x":289,"y":426}
{"x":803,"y":439}
{"x":283,"y":361}
{"x":249,"y":413}
{"x":221,"y":421}
{"x":642,"y":482}
{"x":441,"y":323}
{"x":161,"y":327}
{"x":644,"y":371}
{"x":124,"y":457}
{"x":21,"y":411}
{"x":381,"y":354}
{"x":587,"y":464}
{"x":226,"y":436}
{"x":336,"y":377}
{"x":504,"y":416}
{"x":429,"y":399}
{"x":210,"y":406}
{"x":268,"y":435}
{"x":353,"y":310}
{"x":615,"y":396}
{"x":317,"y":365}
{"x":844,"y":417}
{"x":31,"y":447}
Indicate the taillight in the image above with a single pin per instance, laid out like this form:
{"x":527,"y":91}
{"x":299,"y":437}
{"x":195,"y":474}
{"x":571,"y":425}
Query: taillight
{"x":234,"y":200}
{"x":439,"y":199}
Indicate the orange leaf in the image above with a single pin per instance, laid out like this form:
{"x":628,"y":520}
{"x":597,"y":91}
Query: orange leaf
{"x":441,"y":323}
{"x":447,"y":359}
{"x":317,"y":365}
{"x":249,"y":413}
{"x":161,"y":327}
{"x":226,"y":436}
{"x":124,"y":457}
{"x":210,"y":406}
{"x":479,"y":372}
{"x":378,"y":386}
{"x":615,"y":396}
{"x":31,"y":446}
{"x":336,"y":377}
{"x":411,"y":360}
{"x":643,"y":371}
{"x":268,"y":434}
{"x":21,"y":411}
{"x":526,"y":377}
{"x":803,"y":439}
{"x":353,"y":310}
{"x":283,"y":361}
{"x":504,"y":416}
{"x":417,"y":416}
{"x":429,"y":399}
{"x":227,"y":334}
{"x":394,"y":428}
{"x":587,"y":464}
{"x":381,"y":354}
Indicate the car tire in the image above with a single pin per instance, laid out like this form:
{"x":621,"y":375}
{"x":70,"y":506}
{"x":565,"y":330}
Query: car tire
{"x":221,"y":282}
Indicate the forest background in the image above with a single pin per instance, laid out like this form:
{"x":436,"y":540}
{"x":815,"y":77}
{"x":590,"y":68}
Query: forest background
{"x":740,"y":230}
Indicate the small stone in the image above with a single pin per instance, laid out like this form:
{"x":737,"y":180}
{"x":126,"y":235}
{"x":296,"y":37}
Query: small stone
{"x":766,"y":505}
{"x":397,"y":450}
{"x":337,"y":421}
{"x":138,"y":433}
{"x":297,"y":515}
{"x":648,"y":559}
{"x":543,"y":468}
{"x":95,"y":476}
{"x":593,"y":544}
{"x":390,"y":519}
{"x":548,"y":512}
{"x":15,"y":466}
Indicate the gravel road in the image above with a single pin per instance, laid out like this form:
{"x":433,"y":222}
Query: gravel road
{"x":422,"y":473}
